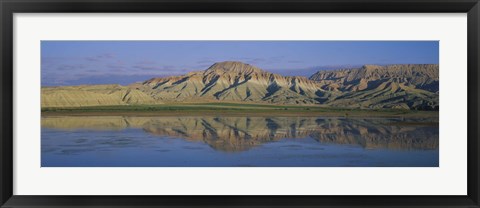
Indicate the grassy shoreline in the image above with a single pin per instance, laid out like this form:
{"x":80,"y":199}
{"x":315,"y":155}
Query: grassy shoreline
{"x":229,"y":109}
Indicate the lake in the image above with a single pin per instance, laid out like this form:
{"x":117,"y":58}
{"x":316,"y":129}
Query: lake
{"x":129,"y":141}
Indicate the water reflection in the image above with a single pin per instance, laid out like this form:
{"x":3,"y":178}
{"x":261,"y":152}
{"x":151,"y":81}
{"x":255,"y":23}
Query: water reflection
{"x":237,"y":134}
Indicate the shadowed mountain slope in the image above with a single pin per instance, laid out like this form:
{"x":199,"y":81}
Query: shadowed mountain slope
{"x":232,"y":82}
{"x":409,"y":86}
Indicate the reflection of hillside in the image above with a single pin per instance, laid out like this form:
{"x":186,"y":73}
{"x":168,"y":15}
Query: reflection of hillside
{"x":374,"y":134}
{"x":94,"y":122}
{"x":242,"y":133}
{"x":232,"y":133}
{"x":79,"y":122}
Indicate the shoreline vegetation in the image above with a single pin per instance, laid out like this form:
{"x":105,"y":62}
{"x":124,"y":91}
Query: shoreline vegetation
{"x":231,"y":109}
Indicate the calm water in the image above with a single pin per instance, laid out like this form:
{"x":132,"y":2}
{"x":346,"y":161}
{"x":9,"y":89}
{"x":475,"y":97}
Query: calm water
{"x":116,"y":141}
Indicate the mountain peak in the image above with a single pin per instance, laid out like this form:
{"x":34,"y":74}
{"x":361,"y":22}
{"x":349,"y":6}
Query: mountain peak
{"x":234,"y":66}
{"x":371,"y":66}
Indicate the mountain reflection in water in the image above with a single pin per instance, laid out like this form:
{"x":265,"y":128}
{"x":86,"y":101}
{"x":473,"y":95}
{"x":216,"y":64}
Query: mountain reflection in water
{"x":237,"y":134}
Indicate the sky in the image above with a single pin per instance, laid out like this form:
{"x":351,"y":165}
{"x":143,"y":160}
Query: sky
{"x":125,"y":62}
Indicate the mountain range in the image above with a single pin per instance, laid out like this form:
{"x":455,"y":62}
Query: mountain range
{"x":403,"y":86}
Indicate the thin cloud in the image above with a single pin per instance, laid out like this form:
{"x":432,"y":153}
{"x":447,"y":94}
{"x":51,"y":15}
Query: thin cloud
{"x":294,"y":62}
{"x":70,"y":67}
{"x":146,"y":62}
{"x":154,"y":68}
{"x":100,"y":57}
{"x":116,"y":66}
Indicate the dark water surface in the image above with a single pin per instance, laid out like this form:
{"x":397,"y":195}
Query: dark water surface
{"x":118,"y":141}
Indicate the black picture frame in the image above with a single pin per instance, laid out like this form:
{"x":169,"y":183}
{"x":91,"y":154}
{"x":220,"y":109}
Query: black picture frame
{"x":9,"y":7}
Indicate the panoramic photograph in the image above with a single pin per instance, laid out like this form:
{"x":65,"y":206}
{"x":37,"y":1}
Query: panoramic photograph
{"x":240,"y":103}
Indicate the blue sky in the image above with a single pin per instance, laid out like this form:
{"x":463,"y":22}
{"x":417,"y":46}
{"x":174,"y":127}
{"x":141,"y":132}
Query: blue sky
{"x":125,"y":62}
